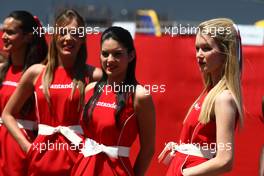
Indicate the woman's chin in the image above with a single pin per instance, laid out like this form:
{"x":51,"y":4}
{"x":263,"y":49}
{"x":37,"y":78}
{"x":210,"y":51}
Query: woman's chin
{"x":109,"y":73}
{"x":7,"y":49}
{"x":65,"y":52}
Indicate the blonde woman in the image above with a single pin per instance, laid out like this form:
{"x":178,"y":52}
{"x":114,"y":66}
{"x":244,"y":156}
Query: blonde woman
{"x":59,"y":88}
{"x":206,"y":145}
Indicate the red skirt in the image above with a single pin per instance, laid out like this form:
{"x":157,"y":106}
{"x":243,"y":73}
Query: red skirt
{"x":182,"y":161}
{"x":102,"y":165}
{"x":12,"y":158}
{"x":51,"y":155}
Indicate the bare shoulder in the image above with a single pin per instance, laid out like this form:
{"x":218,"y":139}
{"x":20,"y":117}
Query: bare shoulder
{"x":97,"y":74}
{"x":90,"y":86}
{"x":33,"y":72}
{"x":225,"y":107}
{"x":144,"y":108}
{"x":35,"y":69}
{"x":1,"y":65}
{"x":225,"y":97}
{"x":142,"y":94}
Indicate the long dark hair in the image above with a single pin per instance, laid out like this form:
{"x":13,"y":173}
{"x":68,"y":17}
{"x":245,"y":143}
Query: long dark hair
{"x":36,"y":50}
{"x":123,"y":37}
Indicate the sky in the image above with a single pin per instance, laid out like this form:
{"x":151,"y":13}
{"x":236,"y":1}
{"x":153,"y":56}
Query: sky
{"x":241,"y":11}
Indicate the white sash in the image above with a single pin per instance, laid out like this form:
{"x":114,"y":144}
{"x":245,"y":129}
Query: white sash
{"x":69,"y":132}
{"x":188,"y":149}
{"x":91,"y":148}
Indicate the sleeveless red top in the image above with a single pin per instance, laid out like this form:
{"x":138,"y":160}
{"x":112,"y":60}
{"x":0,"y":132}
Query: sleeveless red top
{"x":103,"y":129}
{"x":9,"y":85}
{"x":193,"y":132}
{"x":54,"y":154}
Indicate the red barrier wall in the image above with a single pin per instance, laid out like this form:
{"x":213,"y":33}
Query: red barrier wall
{"x":171,"y":62}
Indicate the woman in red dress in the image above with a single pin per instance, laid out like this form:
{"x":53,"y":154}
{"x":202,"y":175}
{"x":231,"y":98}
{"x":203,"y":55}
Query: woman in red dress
{"x":24,"y":49}
{"x":206,"y":145}
{"x":59,"y":88}
{"x":117,"y":109}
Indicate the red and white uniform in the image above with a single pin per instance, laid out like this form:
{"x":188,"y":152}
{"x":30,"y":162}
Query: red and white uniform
{"x":12,"y":157}
{"x":53,"y":151}
{"x":107,"y":145}
{"x":193,"y":132}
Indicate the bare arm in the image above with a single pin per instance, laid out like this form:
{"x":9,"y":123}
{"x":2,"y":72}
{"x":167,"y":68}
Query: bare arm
{"x":145,"y":113}
{"x":23,"y":91}
{"x":225,"y":114}
{"x":261,"y":162}
{"x":90,"y":86}
{"x":262,"y":105}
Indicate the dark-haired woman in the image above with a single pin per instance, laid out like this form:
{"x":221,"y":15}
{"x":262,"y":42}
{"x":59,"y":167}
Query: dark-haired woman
{"x":24,"y":49}
{"x":114,"y":116}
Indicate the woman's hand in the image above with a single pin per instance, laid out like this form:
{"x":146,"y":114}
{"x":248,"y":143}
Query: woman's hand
{"x":26,"y":147}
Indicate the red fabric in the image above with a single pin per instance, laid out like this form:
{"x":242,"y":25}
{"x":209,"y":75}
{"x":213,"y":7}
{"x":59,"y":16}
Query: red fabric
{"x":171,"y":61}
{"x":12,"y":157}
{"x":13,"y":74}
{"x":193,"y":132}
{"x":55,"y":159}
{"x":102,"y":128}
{"x":182,"y":161}
{"x":14,"y":161}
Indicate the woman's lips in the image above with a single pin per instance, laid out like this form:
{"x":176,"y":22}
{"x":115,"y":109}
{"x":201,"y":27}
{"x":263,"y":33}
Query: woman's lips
{"x":68,"y":47}
{"x":110,"y":68}
{"x":201,"y":63}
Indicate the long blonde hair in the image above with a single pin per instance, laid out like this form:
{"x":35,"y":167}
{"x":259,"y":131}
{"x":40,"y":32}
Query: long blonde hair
{"x":79,"y":69}
{"x":228,"y":43}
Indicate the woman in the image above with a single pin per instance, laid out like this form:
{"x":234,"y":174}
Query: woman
{"x":24,"y":49}
{"x":59,"y":88}
{"x":112,"y":119}
{"x":3,"y":56}
{"x":206,"y":145}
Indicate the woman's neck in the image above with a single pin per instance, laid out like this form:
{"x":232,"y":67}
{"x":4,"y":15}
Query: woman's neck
{"x":18,"y":58}
{"x":117,"y":80}
{"x":216,"y":77}
{"x":66,"y":62}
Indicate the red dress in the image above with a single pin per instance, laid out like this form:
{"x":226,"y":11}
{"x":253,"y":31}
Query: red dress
{"x":52,"y":153}
{"x":102,"y":129}
{"x":193,"y":132}
{"x":12,"y":157}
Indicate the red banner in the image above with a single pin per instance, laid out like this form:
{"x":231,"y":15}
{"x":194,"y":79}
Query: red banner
{"x":170,"y":62}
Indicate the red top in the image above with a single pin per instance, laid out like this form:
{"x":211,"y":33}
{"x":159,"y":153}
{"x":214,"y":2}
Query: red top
{"x":55,"y":154}
{"x":63,"y":110}
{"x":99,"y":129}
{"x":8,"y":87}
{"x":193,"y":132}
{"x":103,"y":129}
